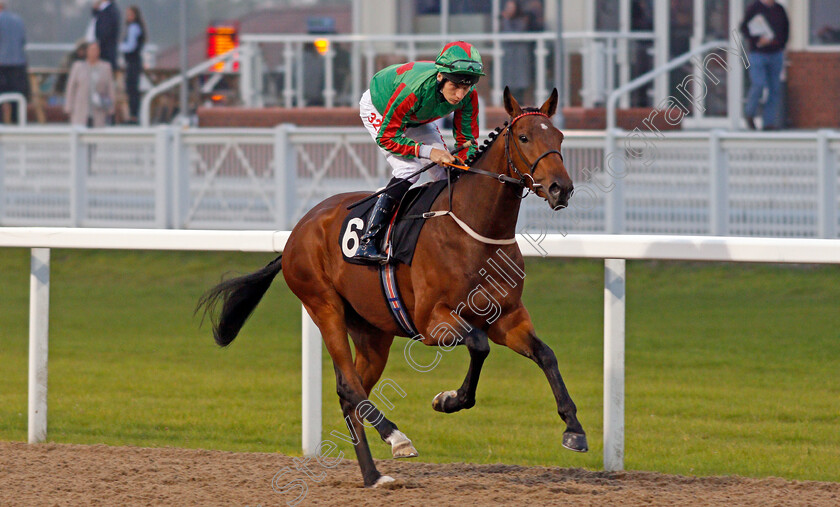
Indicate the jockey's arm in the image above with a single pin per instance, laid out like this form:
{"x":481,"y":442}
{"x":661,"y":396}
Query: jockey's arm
{"x":391,"y":136}
{"x":465,"y":124}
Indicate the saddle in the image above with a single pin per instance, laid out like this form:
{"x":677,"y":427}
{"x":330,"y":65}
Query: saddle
{"x":400,"y":239}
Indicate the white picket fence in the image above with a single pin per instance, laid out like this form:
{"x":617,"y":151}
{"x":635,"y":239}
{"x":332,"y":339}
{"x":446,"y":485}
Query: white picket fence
{"x":781,"y":184}
{"x":613,"y":248}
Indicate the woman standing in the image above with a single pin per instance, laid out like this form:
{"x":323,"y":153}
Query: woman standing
{"x":90,"y":90}
{"x":132,"y":49}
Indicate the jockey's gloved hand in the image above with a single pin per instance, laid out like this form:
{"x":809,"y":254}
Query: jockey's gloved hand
{"x":441,"y":156}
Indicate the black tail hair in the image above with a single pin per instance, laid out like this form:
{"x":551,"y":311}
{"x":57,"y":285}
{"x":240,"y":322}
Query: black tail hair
{"x":239,"y":297}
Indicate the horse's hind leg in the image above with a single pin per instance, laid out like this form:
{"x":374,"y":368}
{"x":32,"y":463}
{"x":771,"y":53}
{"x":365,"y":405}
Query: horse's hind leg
{"x":516,"y":331}
{"x":372,"y":349}
{"x":329,"y":317}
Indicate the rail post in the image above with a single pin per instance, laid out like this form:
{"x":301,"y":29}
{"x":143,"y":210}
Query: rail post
{"x":826,"y":187}
{"x":718,"y":186}
{"x":285,"y":174}
{"x":614,"y":304}
{"x":80,"y":163}
{"x":311,"y":384}
{"x":39,"y":324}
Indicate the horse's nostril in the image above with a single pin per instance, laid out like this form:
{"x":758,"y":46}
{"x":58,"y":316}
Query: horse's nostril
{"x":554,"y":189}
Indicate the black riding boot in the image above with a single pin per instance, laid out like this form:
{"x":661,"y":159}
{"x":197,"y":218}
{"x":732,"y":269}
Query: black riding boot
{"x":379,"y":218}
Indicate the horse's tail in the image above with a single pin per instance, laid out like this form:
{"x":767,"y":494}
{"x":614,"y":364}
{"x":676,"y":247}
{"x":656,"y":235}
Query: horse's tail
{"x":239,"y":297}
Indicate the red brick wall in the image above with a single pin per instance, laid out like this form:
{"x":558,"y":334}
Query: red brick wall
{"x":576,"y":117}
{"x":813,"y":89}
{"x":273,"y":116}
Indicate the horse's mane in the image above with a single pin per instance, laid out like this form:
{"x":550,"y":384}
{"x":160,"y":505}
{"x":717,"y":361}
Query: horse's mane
{"x":491,"y":138}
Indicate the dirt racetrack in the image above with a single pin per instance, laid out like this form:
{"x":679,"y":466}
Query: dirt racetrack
{"x":61,"y":474}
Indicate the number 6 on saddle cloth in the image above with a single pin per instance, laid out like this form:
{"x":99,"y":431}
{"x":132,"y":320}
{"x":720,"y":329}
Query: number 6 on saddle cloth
{"x":400,"y":240}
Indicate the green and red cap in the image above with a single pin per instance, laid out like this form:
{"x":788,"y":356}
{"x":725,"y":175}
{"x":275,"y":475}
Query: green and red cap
{"x":460,"y":63}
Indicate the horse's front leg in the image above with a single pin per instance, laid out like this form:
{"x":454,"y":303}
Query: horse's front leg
{"x":453,"y":401}
{"x":448,"y":330}
{"x":516,"y":331}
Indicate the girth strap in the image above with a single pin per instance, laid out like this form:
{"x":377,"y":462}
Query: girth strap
{"x":388,"y":277}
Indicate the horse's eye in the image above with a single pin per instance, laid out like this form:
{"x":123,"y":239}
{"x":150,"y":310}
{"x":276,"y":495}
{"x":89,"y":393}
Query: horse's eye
{"x":523,"y":138}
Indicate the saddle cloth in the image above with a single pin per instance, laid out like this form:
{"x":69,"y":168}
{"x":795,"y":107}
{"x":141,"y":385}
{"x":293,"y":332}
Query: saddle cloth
{"x":402,"y":232}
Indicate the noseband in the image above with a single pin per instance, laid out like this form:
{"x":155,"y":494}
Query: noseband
{"x":532,"y":167}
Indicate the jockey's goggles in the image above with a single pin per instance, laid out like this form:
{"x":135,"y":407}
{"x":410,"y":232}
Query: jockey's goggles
{"x":464,"y":66}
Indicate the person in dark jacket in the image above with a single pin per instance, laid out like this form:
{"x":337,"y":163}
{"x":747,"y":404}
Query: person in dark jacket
{"x":13,"y":74}
{"x":766,"y":26}
{"x":132,"y":49}
{"x":105,"y":30}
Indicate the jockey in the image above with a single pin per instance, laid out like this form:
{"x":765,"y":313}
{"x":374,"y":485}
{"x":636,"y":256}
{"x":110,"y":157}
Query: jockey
{"x":399,"y":110}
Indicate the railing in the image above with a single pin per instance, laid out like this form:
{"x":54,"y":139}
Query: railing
{"x":601,"y":65}
{"x":54,"y":53}
{"x":614,"y":211}
{"x":149,"y":96}
{"x":782,"y":184}
{"x":614,"y":249}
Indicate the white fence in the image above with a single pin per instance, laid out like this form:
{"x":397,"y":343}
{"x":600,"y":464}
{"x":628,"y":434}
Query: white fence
{"x":781,"y":184}
{"x":284,"y":69}
{"x":614,"y":249}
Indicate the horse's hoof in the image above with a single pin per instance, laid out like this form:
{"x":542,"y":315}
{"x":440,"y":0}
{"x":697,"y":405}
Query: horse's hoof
{"x":575,"y":442}
{"x":401,"y":446}
{"x":405,"y":450}
{"x":382,"y":480}
{"x":446,"y":402}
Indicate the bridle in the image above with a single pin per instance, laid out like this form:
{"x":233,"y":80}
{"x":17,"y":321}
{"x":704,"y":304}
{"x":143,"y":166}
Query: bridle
{"x":522,"y":181}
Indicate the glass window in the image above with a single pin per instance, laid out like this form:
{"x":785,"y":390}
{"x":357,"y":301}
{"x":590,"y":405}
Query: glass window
{"x":606,"y":15}
{"x":824,"y":22}
{"x":641,"y":16}
{"x":470,"y":7}
{"x":427,"y":6}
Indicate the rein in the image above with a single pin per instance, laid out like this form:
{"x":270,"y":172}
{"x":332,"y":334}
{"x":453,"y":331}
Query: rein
{"x":502,"y":178}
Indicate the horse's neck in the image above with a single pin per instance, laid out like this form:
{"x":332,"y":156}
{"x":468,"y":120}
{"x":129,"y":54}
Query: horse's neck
{"x":488,"y":206}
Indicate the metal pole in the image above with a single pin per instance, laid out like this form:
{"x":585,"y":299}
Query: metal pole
{"x":184,"y":80}
{"x":311,"y":385}
{"x":39,"y":325}
{"x":559,"y":66}
{"x":614,"y":303}
{"x":444,"y":17}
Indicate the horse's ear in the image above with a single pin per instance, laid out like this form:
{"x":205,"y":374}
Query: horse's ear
{"x":550,"y":106}
{"x":511,"y":105}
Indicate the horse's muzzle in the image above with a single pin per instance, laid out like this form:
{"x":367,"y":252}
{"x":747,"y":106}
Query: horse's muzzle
{"x":559,"y":194}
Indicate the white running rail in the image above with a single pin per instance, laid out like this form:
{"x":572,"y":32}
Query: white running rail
{"x":614,"y":249}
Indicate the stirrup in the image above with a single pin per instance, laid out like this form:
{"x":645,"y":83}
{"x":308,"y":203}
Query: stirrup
{"x":369,"y":251}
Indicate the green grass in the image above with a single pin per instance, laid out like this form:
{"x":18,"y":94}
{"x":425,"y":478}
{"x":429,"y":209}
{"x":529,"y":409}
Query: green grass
{"x":731,"y":369}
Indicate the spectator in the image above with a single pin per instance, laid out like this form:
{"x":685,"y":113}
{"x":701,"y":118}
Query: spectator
{"x":78,"y":53}
{"x":518,"y":59}
{"x":766,"y":27}
{"x":90,"y":90}
{"x":13,"y":74}
{"x":132,"y":49}
{"x":104,"y":28}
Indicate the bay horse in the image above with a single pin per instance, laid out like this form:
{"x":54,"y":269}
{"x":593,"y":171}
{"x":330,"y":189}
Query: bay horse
{"x":444,"y":273}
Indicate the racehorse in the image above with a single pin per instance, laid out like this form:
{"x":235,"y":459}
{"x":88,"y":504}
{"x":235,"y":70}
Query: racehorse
{"x":447,"y":268}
